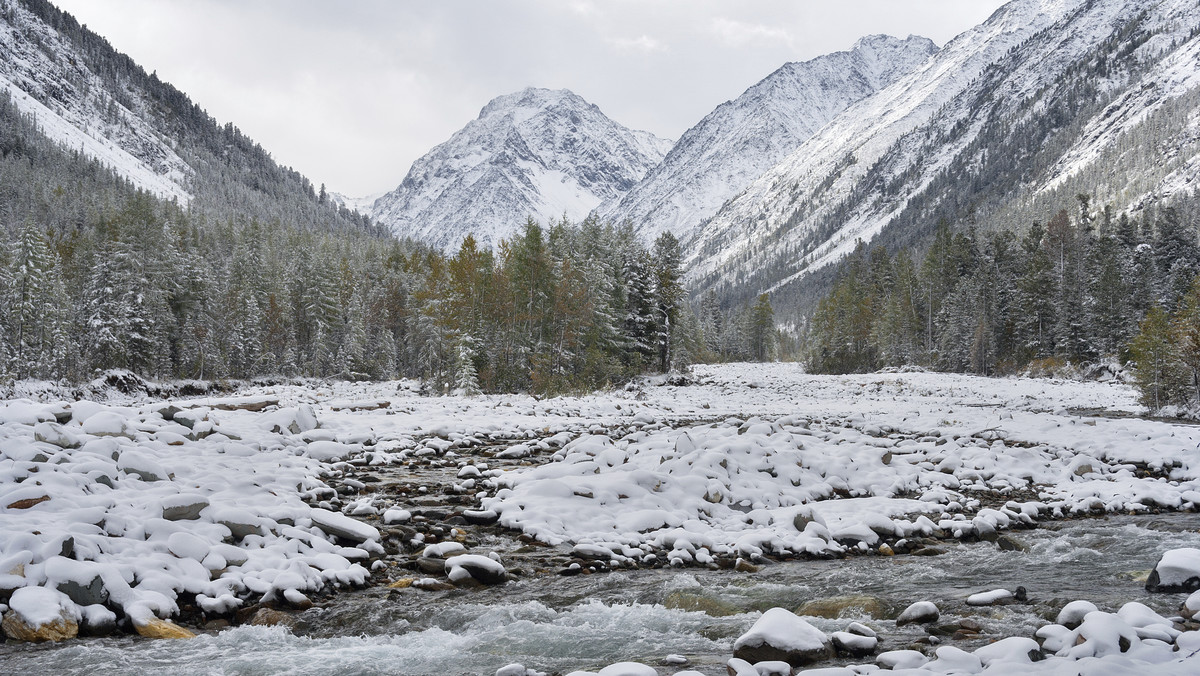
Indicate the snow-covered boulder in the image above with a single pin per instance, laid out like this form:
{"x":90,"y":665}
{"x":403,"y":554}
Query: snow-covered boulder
{"x":473,"y":566}
{"x":342,"y":526}
{"x":1177,"y":571}
{"x":921,"y":612}
{"x":107,"y":424}
{"x":779,"y":635}
{"x":329,"y":451}
{"x":1191,"y":606}
{"x":39,"y":614}
{"x":1073,"y":613}
{"x":901,"y":659}
{"x":1014,"y":650}
{"x":628,"y":669}
{"x":854,"y":645}
{"x":997,"y":597}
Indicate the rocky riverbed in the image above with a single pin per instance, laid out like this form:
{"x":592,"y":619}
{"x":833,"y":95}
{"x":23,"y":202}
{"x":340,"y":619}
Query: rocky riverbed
{"x":246,"y":516}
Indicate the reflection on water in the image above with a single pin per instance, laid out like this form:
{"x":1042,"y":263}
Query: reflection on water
{"x":560,"y":623}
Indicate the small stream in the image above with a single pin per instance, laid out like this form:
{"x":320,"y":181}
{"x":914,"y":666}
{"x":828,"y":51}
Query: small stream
{"x":559,"y":624}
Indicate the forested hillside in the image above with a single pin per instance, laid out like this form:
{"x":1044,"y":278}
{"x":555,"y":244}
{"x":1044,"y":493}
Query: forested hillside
{"x":101,"y":275}
{"x":1085,"y":287}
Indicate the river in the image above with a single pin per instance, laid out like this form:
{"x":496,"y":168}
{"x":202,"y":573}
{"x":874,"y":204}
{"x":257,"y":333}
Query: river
{"x":559,"y":624}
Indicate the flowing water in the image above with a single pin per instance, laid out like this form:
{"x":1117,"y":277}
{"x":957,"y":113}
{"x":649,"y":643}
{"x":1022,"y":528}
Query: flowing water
{"x":554,"y":623}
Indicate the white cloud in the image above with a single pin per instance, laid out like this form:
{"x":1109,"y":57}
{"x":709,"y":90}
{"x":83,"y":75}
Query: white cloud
{"x":740,"y":34}
{"x":642,"y":43}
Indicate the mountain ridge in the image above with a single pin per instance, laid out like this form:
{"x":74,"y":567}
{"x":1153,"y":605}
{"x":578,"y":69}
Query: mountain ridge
{"x":740,"y":139}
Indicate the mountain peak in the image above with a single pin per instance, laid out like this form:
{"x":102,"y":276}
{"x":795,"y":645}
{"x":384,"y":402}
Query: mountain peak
{"x":535,"y":152}
{"x":741,"y":139}
{"x":531,"y":100}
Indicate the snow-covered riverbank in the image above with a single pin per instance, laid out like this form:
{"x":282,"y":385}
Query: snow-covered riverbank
{"x":127,"y":511}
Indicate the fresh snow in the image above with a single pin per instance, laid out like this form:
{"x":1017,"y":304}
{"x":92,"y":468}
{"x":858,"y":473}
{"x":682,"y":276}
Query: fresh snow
{"x":752,"y":460}
{"x":48,"y":83}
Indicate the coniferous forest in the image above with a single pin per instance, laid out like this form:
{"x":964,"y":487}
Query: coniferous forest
{"x":98,"y":275}
{"x":1083,"y":289}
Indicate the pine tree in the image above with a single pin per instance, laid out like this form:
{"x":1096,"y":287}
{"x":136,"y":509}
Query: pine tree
{"x":1159,"y":376}
{"x":466,"y":381}
{"x":762,"y":329}
{"x":668,"y":294}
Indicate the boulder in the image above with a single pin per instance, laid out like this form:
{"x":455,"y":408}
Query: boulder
{"x":854,"y":645}
{"x":107,"y":424}
{"x":771,"y":669}
{"x":628,"y":669}
{"x":1010,"y":543}
{"x":183,"y":507}
{"x":780,"y":635}
{"x":38,"y":614}
{"x":156,"y":628}
{"x":1190,"y":610}
{"x":342,"y":526}
{"x":1177,"y":571}
{"x":16,"y":628}
{"x":836,"y":606}
{"x":55,"y":434}
{"x":997,"y":597}
{"x":901,"y":659}
{"x":239,"y":521}
{"x":1072,"y":614}
{"x":85,"y":594}
{"x":269,"y":617}
{"x":98,"y":621}
{"x":480,"y":568}
{"x":921,"y":612}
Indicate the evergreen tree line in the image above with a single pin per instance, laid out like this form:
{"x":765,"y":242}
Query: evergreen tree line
{"x":150,"y":289}
{"x":1076,"y":290}
{"x":95,"y":274}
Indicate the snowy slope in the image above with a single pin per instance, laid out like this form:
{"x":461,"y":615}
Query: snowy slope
{"x":737,"y":142}
{"x":48,"y":80}
{"x":536,"y":152}
{"x":921,"y":144}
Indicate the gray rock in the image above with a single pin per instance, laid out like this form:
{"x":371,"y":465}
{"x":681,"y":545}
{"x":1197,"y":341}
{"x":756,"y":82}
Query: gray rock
{"x":1010,"y":543}
{"x":427,"y":564}
{"x":185,"y":511}
{"x":90,"y":594}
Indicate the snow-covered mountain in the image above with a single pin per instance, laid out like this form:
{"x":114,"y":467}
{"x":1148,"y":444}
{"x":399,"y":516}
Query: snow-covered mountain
{"x":536,"y":152}
{"x":739,"y":140}
{"x":41,"y":71}
{"x":1045,"y":99}
{"x":86,"y":97}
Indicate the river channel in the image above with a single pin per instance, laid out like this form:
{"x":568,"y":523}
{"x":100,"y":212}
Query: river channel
{"x":558,"y":624}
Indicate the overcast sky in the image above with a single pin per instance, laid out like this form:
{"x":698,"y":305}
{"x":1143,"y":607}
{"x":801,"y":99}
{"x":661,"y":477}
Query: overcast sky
{"x":351,"y":93}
